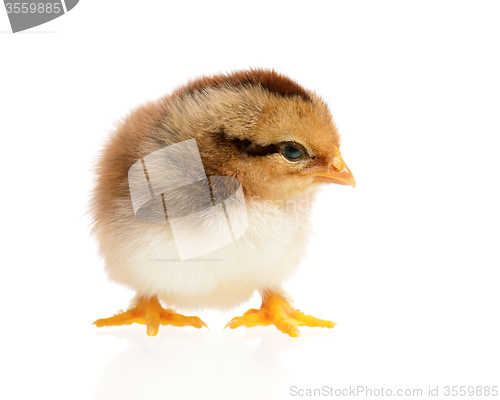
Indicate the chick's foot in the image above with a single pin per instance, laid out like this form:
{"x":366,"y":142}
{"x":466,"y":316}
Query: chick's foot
{"x":150,"y":313}
{"x":277,"y":311}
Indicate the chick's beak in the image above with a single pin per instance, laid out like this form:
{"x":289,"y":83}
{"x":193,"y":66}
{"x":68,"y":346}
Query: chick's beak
{"x":337,"y":172}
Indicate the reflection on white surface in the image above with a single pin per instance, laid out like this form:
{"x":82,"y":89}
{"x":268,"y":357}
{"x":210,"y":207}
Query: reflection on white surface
{"x":196,"y":364}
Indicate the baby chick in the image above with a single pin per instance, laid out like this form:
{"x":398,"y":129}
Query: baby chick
{"x":278,"y":139}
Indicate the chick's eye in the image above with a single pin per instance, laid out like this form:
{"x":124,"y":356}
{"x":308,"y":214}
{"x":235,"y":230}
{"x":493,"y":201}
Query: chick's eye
{"x":292,"y":152}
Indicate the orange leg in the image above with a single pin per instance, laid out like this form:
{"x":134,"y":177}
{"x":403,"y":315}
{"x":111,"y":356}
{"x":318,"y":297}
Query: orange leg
{"x":275,"y":310}
{"x":150,"y":313}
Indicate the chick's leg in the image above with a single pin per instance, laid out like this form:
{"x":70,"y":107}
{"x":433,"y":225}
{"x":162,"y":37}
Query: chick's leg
{"x":277,"y":311}
{"x":150,"y":313}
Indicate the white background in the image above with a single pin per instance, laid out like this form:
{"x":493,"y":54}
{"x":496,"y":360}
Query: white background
{"x":407,"y":263}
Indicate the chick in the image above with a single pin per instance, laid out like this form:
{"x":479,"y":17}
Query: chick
{"x":258,"y":126}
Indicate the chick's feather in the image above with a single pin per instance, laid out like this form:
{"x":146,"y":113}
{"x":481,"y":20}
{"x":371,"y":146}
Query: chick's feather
{"x":239,"y":122}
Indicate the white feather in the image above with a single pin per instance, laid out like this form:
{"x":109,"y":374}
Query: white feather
{"x":144,"y":257}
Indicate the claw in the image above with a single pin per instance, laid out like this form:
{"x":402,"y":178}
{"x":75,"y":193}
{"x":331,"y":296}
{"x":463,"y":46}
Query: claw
{"x":277,"y":311}
{"x":150,"y":313}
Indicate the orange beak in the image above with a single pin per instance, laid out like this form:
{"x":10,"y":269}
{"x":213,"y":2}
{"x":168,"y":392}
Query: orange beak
{"x":338,"y":173}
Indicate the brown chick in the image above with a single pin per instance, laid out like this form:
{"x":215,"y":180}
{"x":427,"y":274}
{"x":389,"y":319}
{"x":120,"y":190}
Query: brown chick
{"x":273,"y":142}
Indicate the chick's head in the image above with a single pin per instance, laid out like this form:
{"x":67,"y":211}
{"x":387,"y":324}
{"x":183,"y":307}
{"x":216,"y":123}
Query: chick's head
{"x":261,"y":127}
